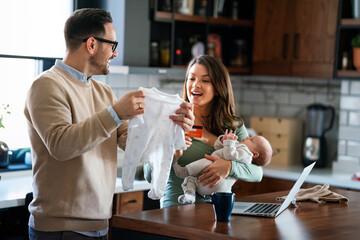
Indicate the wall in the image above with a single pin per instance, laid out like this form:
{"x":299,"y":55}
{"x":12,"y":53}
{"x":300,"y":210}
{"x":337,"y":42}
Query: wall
{"x":349,"y":128}
{"x":261,"y":96}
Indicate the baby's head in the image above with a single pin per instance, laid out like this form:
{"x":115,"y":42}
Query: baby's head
{"x":261,"y":149}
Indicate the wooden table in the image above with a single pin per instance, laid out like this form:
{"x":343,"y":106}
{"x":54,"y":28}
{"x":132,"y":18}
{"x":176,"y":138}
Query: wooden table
{"x":308,"y":221}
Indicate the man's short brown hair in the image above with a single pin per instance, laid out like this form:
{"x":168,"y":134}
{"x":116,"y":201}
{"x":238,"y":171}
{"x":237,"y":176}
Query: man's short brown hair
{"x":84,"y":23}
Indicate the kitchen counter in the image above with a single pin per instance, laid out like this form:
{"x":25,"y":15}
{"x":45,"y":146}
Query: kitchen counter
{"x":14,"y":187}
{"x":308,"y":220}
{"x":317,"y":176}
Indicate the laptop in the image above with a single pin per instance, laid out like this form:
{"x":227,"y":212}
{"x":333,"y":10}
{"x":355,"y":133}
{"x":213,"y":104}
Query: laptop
{"x":271,"y":209}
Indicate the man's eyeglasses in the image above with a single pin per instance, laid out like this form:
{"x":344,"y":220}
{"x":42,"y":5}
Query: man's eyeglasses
{"x":114,"y":43}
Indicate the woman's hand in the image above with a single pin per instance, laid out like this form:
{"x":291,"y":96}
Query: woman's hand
{"x":220,"y":169}
{"x":179,"y":153}
{"x":186,"y":119}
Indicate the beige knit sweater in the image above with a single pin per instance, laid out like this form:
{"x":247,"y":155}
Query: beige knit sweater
{"x":74,"y":148}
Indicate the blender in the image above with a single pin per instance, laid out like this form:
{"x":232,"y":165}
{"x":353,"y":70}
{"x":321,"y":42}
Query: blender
{"x":319,"y":120}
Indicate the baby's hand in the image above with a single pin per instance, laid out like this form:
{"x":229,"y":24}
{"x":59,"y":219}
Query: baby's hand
{"x":229,"y":136}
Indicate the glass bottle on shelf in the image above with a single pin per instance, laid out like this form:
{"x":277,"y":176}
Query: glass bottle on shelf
{"x":202,"y":9}
{"x":165,"y":53}
{"x":211,"y":49}
{"x":234,"y":14}
{"x":154,"y":54}
{"x":345,"y":61}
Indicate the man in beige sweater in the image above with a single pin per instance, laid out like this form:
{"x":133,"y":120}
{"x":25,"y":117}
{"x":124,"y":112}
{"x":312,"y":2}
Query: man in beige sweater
{"x":75,"y":124}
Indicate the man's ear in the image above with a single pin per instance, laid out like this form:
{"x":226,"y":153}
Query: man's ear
{"x":91,"y":45}
{"x":256,"y":154}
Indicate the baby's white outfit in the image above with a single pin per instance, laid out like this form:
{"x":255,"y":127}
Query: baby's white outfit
{"x":153,"y":137}
{"x":228,"y":150}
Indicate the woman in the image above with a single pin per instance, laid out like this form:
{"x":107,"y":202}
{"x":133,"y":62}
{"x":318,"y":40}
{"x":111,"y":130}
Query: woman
{"x":208,"y":86}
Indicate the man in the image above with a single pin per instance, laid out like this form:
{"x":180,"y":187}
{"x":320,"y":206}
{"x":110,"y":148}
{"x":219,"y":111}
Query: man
{"x":75,"y":124}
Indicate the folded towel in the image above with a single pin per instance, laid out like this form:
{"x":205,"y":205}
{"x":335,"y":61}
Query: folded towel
{"x":320,"y":194}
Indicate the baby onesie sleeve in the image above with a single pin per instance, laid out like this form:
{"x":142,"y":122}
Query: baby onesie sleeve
{"x":233,"y":150}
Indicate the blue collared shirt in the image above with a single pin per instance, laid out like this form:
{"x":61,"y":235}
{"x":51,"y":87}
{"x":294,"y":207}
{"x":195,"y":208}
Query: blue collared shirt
{"x":82,"y":77}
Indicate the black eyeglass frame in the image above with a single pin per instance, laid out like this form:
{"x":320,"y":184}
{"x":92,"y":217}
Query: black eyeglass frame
{"x":114,"y":43}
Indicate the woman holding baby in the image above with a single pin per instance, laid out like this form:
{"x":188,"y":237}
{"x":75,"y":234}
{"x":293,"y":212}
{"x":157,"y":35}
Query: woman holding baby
{"x":208,"y":86}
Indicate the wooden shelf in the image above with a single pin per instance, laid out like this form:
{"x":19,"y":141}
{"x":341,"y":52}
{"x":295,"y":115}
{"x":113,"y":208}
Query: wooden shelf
{"x":189,"y":18}
{"x":350,"y":22}
{"x":232,"y":70}
{"x":348,"y":74}
{"x":179,"y":66}
{"x":232,"y":22}
{"x":163,"y":15}
{"x":239,"y":70}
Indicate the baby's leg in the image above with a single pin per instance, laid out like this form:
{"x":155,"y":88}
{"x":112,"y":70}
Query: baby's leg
{"x":189,"y":188}
{"x":180,"y":171}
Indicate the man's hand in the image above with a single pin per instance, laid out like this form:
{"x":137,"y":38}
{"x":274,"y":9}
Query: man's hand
{"x":186,"y":121}
{"x":215,"y":172}
{"x":130,"y":105}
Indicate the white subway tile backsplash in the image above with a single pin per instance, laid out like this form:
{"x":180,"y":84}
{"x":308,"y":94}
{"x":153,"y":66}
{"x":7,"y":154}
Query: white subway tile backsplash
{"x":118,"y":80}
{"x":332,"y":99}
{"x":288,"y":111}
{"x":254,"y":96}
{"x":346,"y":165}
{"x":353,"y":148}
{"x":343,"y":118}
{"x":264,"y":109}
{"x":354,"y":118}
{"x":350,"y":103}
{"x":302,"y":98}
{"x":245,"y":109}
{"x":154,"y":81}
{"x":138,"y":80}
{"x":349,"y":133}
{"x":342,"y":147}
{"x":355,"y":88}
{"x":345,"y":87}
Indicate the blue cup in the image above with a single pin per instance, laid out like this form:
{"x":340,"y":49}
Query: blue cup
{"x":223,"y":204}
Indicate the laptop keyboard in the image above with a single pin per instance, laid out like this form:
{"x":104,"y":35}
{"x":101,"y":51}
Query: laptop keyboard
{"x":263,"y":208}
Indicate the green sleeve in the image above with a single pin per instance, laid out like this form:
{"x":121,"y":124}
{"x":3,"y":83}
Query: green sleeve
{"x":241,"y":133}
{"x":245,"y":172}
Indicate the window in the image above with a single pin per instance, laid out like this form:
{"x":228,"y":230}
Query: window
{"x":15,"y":80}
{"x":34,"y":28}
{"x":29,"y":28}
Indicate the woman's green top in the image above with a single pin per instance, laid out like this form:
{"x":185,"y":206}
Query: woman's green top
{"x":197,"y":150}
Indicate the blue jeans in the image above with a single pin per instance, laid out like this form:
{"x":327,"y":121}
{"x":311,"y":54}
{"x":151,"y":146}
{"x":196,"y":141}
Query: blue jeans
{"x":62,"y":235}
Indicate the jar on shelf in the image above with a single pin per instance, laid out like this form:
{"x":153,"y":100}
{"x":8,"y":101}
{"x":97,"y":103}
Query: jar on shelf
{"x":165,"y":53}
{"x":211,"y":49}
{"x":345,"y":61}
{"x":154,"y":54}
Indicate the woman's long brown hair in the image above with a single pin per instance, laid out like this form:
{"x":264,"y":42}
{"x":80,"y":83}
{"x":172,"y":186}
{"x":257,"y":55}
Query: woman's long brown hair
{"x":222,"y":113}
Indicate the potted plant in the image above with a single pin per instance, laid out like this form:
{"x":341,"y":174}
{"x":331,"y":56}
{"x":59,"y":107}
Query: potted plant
{"x":4,"y":155}
{"x":355,"y":43}
{"x":4,"y":109}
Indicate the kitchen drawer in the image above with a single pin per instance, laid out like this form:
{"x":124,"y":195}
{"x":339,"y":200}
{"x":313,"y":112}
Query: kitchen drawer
{"x":128,"y":202}
{"x":282,"y":156}
{"x":284,"y":135}
{"x":276,"y":125}
{"x":277,"y":140}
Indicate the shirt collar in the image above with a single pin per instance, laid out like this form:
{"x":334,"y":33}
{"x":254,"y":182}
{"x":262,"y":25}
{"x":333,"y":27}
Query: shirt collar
{"x":72,"y":71}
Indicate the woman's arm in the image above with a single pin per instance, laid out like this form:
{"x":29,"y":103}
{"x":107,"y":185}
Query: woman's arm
{"x":246,"y":172}
{"x":222,"y":168}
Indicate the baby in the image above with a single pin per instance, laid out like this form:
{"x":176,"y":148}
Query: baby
{"x":254,"y":149}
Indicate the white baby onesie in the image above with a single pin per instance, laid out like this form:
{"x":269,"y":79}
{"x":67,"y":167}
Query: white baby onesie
{"x":153,"y":137}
